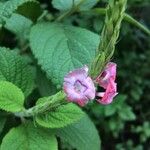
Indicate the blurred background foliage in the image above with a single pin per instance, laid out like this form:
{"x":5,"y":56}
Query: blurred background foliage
{"x":125,"y":124}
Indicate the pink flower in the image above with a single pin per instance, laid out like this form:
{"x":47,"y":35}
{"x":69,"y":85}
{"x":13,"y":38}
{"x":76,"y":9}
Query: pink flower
{"x":107,"y":81}
{"x":109,"y":94}
{"x":79,"y":87}
{"x":109,"y":72}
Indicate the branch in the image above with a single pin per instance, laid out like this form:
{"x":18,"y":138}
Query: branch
{"x":127,"y":17}
{"x":69,"y":12}
{"x":51,"y":103}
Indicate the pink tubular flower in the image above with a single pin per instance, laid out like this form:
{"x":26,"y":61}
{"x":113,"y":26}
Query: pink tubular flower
{"x":109,"y":94}
{"x":78,"y":86}
{"x":107,"y":81}
{"x":109,"y":72}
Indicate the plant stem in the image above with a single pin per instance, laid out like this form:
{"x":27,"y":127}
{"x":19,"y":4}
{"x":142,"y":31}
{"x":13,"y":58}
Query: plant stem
{"x":102,"y":11}
{"x":65,"y":15}
{"x":69,"y":12}
{"x":131,"y":20}
{"x":127,"y":17}
{"x":51,"y":103}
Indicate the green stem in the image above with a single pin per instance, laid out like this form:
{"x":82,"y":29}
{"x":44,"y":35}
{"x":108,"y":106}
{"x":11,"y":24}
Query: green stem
{"x":69,"y":12}
{"x":102,"y":11}
{"x":65,"y":15}
{"x":50,"y":104}
{"x":131,"y":20}
{"x":128,"y":18}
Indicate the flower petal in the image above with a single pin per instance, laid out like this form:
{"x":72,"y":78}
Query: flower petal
{"x":110,"y":93}
{"x":79,"y":87}
{"x":109,"y":72}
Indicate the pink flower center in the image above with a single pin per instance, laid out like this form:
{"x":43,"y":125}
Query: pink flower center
{"x":79,"y":87}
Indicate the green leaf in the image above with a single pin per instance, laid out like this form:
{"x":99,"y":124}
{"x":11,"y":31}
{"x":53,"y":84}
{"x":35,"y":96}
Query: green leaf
{"x":64,"y":5}
{"x":19,"y":25}
{"x":62,"y":48}
{"x":28,"y":137}
{"x":109,"y":110}
{"x":81,"y":135}
{"x":14,"y":69}
{"x":11,"y":97}
{"x":7,"y":8}
{"x":30,"y":10}
{"x":126,"y":113}
{"x":60,"y":117}
{"x":45,"y":86}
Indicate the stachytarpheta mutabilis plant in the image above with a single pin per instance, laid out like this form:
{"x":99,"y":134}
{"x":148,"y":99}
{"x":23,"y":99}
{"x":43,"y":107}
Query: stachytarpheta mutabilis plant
{"x":53,"y":70}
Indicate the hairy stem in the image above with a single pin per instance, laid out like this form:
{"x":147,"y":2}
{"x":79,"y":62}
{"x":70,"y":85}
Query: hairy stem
{"x":51,"y":103}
